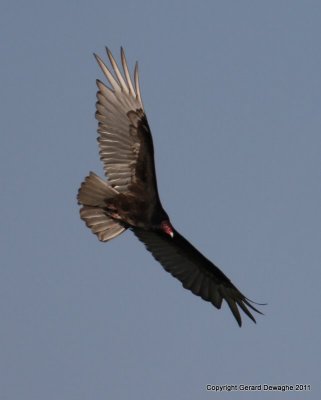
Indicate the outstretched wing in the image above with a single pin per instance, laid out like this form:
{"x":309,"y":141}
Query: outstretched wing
{"x":125,"y":141}
{"x":195,"y":272}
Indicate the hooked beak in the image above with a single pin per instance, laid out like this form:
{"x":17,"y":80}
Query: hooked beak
{"x":167,"y":228}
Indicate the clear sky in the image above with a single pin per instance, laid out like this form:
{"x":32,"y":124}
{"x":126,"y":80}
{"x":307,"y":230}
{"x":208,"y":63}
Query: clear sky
{"x":232,"y":91}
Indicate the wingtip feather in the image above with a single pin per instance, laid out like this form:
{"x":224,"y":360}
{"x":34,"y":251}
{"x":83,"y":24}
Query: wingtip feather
{"x":137,"y":86}
{"x":115,"y":85}
{"x":126,"y":71}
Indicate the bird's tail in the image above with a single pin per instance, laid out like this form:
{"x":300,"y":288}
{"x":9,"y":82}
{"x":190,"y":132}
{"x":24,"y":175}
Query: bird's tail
{"x":92,"y":195}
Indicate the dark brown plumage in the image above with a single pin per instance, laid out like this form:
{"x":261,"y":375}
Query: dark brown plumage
{"x":129,"y":198}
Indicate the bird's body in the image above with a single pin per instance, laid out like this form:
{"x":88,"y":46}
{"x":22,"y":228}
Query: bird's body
{"x":129,"y":198}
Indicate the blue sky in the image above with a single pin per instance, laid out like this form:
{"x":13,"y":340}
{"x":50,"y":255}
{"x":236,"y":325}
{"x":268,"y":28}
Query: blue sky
{"x":232,"y":93}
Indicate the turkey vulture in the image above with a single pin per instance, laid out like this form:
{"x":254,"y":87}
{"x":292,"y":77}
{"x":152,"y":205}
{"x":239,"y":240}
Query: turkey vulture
{"x":129,"y":198}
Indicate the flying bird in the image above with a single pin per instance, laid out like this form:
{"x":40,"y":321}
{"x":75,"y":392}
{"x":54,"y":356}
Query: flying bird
{"x":129,"y":198}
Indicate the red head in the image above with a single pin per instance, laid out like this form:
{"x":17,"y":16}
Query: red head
{"x":166,"y":227}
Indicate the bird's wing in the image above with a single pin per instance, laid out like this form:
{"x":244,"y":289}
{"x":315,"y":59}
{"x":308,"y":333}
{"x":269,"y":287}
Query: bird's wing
{"x":195,"y":272}
{"x":125,"y":141}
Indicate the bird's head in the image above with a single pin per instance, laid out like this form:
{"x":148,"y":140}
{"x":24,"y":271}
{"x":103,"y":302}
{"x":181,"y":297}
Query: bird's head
{"x":167,"y":228}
